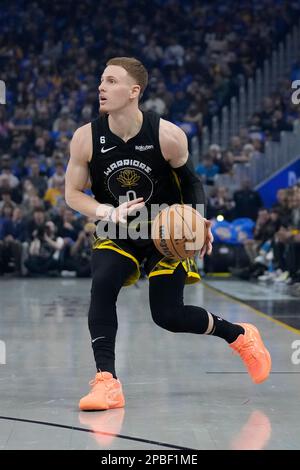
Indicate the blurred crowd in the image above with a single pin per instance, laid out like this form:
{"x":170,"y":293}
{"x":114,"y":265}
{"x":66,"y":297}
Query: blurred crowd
{"x":274,"y":251}
{"x":51,"y":60}
{"x":196,"y":52}
{"x":224,"y":168}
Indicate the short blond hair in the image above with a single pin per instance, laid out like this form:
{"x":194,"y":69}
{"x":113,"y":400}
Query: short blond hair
{"x":134,"y":68}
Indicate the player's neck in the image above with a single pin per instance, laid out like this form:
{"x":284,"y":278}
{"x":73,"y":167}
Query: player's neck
{"x":126,"y":123}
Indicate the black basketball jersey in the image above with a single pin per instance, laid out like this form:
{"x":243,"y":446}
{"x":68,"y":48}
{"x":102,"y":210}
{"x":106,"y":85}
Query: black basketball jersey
{"x":131,"y":169}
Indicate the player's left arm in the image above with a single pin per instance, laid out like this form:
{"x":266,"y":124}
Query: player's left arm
{"x":174,"y":147}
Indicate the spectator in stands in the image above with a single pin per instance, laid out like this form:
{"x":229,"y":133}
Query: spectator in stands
{"x":259,"y":248}
{"x":215,"y":152}
{"x":55,"y":194}
{"x":278,"y":124}
{"x":164,"y":94}
{"x":37,"y":221}
{"x":155,"y":103}
{"x":58,"y":177}
{"x":10,"y":247}
{"x":6,"y":199}
{"x":153,"y":53}
{"x":14,"y":225}
{"x":179,"y":106}
{"x":286,"y":244}
{"x":235,"y":146}
{"x":195,"y":116}
{"x":29,"y":192}
{"x":56,"y":186}
{"x":69,"y":227}
{"x":267,"y":224}
{"x":77,"y":255}
{"x":226,"y":162}
{"x":282,"y":206}
{"x":265,"y":116}
{"x":246,"y":154}
{"x":44,"y":251}
{"x":5,"y":217}
{"x":174,"y":53}
{"x":37,"y":180}
{"x":8,"y":179}
{"x":207,"y":170}
{"x":64,"y":123}
{"x":247,"y":201}
{"x":220,"y":202}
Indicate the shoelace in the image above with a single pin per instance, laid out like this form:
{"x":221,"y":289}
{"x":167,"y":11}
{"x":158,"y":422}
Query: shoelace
{"x":244,"y":352}
{"x":108,"y":383}
{"x":97,"y":379}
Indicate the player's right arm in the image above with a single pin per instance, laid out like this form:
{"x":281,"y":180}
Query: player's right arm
{"x":77,"y":179}
{"x":77,"y":174}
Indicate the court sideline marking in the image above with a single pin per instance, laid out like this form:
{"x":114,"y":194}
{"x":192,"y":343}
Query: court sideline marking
{"x":258,"y":312}
{"x":75,"y":428}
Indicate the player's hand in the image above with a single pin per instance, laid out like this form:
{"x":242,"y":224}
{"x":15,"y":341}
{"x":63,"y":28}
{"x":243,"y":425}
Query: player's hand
{"x":207,"y":247}
{"x":120,"y":214}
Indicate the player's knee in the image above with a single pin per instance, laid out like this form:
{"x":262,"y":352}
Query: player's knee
{"x":165,"y":317}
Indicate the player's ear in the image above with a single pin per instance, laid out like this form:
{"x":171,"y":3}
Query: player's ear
{"x":135,"y":90}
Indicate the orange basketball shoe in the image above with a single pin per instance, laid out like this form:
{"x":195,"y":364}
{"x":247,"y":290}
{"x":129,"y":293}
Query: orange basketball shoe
{"x":253,"y":352}
{"x":106,"y":393}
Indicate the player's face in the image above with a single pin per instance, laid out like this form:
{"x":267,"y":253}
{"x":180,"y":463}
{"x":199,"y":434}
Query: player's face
{"x":115,"y":89}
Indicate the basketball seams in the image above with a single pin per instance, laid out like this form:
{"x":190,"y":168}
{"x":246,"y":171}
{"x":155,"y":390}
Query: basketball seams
{"x":182,"y":218}
{"x":169,"y":233}
{"x":183,"y":208}
{"x":191,"y":234}
{"x":163,"y":221}
{"x":180,"y":212}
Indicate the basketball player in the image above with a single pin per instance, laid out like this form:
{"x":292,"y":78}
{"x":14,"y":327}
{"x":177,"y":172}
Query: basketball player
{"x":127,"y":152}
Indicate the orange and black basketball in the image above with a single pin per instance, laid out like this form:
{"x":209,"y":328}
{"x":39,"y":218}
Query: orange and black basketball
{"x":179,"y":231}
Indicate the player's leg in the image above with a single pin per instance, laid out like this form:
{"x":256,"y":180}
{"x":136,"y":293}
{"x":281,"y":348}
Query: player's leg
{"x":109,"y":273}
{"x":169,"y":312}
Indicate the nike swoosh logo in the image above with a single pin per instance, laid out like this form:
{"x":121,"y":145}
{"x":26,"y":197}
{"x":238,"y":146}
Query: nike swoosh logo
{"x":99,"y":337}
{"x":103,"y":150}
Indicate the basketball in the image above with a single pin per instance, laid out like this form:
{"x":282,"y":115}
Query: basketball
{"x":178,"y":232}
